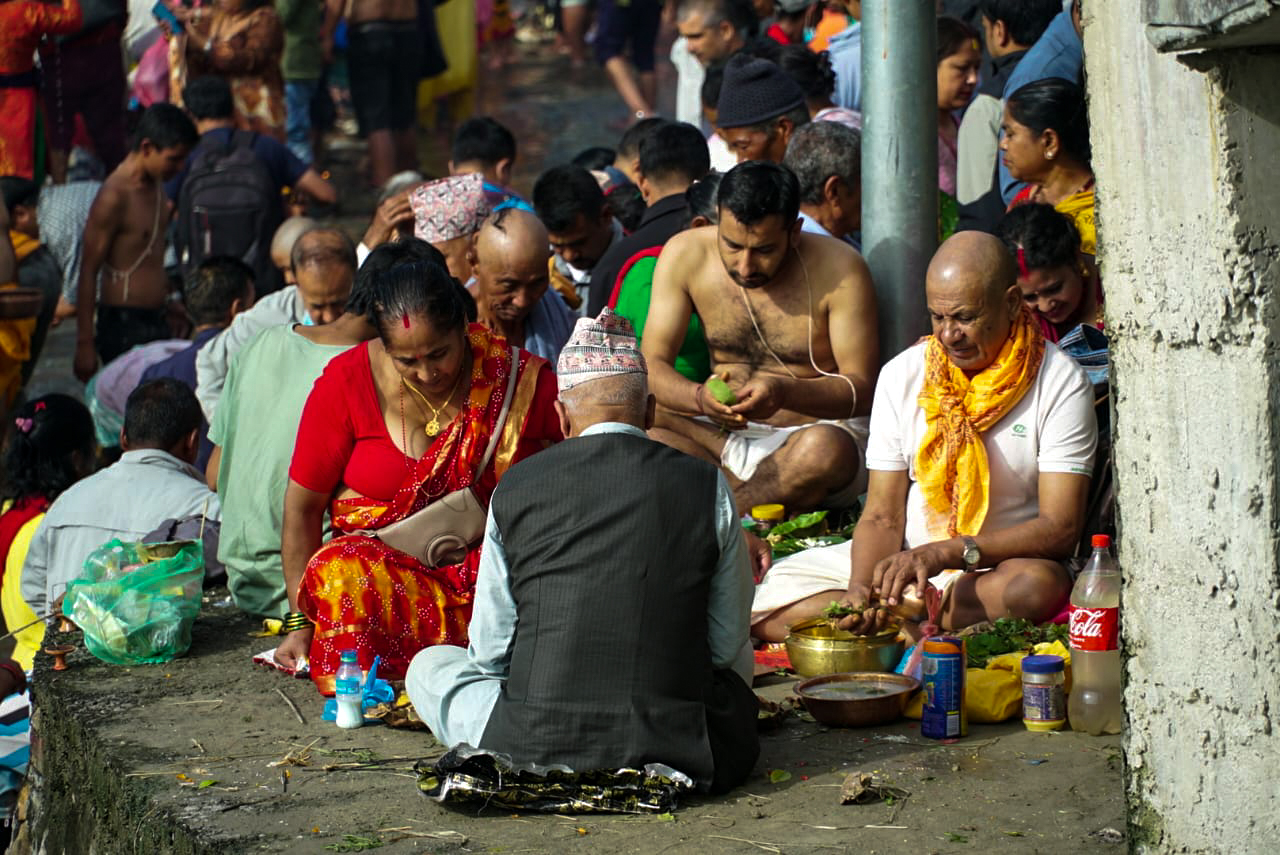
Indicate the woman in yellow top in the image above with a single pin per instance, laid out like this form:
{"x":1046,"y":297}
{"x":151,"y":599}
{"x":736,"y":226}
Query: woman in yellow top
{"x":1046,"y":144}
{"x":50,"y":446}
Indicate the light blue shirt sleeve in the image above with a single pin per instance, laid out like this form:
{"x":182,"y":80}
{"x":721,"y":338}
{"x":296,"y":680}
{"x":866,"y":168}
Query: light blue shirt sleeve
{"x":493,"y":617}
{"x":846,"y":60}
{"x":35,"y":569}
{"x":729,"y":602}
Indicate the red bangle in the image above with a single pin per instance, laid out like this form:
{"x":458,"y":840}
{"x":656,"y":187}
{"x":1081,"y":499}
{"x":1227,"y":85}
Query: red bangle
{"x":697,"y":398}
{"x":19,"y":676}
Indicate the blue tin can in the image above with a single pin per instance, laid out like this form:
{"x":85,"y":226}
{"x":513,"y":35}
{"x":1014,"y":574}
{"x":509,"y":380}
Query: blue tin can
{"x":942,"y":674}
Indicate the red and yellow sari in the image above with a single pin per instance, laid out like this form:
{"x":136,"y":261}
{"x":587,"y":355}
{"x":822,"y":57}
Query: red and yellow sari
{"x":365,"y":596}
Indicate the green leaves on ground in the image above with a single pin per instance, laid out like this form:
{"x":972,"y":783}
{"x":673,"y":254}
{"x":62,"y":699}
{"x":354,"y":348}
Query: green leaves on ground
{"x":1007,"y":635}
{"x":208,"y":782}
{"x":952,"y":837}
{"x":355,"y":843}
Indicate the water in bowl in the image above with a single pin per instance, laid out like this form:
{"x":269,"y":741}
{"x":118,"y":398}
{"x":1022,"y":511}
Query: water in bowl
{"x":846,"y":691}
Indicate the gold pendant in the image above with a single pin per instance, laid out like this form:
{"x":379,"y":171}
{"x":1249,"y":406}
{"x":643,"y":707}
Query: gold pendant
{"x":432,"y":427}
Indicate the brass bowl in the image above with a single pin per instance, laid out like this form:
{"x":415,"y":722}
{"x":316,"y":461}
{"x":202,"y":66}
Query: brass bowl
{"x":857,"y":700}
{"x":815,"y":648}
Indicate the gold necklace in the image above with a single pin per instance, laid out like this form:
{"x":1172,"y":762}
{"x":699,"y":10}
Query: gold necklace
{"x":432,"y":427}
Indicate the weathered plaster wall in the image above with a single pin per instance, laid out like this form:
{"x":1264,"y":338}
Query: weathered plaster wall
{"x":1188,"y":168}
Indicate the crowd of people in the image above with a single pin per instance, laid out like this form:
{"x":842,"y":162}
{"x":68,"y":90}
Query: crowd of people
{"x":431,"y":445}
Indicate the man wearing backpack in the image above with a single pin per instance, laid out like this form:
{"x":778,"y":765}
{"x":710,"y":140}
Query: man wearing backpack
{"x":229,"y":192}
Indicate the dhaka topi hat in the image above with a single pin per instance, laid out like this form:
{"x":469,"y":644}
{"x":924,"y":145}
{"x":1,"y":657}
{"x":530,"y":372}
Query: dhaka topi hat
{"x":450,"y":208}
{"x":755,"y":91}
{"x":599,"y":347}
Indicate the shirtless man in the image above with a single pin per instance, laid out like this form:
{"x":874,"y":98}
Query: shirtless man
{"x":383,"y":53}
{"x":124,"y":245}
{"x":790,"y":321}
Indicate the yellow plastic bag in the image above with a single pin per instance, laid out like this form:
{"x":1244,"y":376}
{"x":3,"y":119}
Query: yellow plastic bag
{"x":994,"y":693}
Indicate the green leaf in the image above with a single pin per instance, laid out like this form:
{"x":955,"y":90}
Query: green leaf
{"x":666,"y":817}
{"x":1014,"y":833}
{"x":208,"y":782}
{"x":800,"y":523}
{"x":952,"y":837}
{"x":779,"y":776}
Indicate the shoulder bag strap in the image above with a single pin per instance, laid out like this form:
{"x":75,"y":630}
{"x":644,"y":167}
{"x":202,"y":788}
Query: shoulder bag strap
{"x":502,"y":415}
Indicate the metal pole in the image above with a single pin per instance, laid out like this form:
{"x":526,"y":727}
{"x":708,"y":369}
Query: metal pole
{"x":899,"y":162}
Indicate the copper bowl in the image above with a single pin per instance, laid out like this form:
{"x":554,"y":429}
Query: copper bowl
{"x":815,"y":647}
{"x":20,"y":303}
{"x":860,"y":699}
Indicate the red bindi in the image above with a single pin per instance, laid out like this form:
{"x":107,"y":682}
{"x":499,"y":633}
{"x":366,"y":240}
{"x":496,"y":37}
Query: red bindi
{"x":405,"y":320}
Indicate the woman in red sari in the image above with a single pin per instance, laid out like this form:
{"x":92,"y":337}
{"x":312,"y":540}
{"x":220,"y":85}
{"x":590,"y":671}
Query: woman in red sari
{"x":391,"y":426}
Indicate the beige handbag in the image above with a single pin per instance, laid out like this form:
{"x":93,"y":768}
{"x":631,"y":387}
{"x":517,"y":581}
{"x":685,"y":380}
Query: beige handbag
{"x":441,"y":533}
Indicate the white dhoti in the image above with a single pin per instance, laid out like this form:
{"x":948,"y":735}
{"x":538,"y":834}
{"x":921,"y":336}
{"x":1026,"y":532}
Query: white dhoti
{"x":824,"y":568}
{"x":745,"y":449}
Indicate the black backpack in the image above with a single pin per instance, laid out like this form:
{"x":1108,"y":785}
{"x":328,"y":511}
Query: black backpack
{"x":228,"y":205}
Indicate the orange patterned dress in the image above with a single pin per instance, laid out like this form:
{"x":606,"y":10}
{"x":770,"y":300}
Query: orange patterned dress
{"x":361,"y":594}
{"x":23,"y":24}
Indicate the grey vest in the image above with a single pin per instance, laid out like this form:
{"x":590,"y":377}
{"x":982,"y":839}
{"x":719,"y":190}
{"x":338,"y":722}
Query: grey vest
{"x":611,"y":545}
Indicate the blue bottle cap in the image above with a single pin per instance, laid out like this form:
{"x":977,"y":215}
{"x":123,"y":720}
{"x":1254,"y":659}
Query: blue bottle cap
{"x":1043,"y":664}
{"x":349,"y":656}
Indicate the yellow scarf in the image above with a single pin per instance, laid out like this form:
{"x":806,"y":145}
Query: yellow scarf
{"x":951,"y":465}
{"x":23,"y":245}
{"x":1078,"y":207}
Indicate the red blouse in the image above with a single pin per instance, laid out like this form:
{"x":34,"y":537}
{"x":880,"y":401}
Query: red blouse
{"x":343,"y":438}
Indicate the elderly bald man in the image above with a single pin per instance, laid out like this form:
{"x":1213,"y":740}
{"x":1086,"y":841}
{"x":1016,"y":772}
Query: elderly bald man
{"x":511,"y":283}
{"x":323,"y":264}
{"x":980,"y":454}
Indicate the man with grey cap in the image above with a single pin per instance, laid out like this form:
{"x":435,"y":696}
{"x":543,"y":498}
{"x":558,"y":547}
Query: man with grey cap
{"x":759,"y":109}
{"x":621,"y":648}
{"x":827,"y":160}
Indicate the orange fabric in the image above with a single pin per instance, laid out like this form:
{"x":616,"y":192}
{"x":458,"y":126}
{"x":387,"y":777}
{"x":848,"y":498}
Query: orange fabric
{"x":366,"y":596}
{"x":24,"y":24}
{"x":951,"y":465}
{"x":832,"y":22}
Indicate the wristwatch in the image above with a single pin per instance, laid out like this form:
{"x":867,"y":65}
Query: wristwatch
{"x":971,"y":554}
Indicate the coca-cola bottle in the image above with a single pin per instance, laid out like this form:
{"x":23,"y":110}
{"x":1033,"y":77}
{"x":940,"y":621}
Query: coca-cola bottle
{"x":1094,"y":704}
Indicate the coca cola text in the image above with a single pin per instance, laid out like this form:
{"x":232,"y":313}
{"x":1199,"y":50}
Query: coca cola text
{"x":1095,"y":629}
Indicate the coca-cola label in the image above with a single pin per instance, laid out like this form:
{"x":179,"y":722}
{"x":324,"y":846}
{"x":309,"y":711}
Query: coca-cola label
{"x":1095,"y":629}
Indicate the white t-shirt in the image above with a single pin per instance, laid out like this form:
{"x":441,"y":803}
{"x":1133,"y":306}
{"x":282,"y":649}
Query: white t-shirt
{"x":1052,"y":429}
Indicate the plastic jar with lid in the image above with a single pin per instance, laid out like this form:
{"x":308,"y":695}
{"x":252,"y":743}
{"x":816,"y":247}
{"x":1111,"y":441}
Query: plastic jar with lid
{"x":1044,"y":699}
{"x":765,"y":517}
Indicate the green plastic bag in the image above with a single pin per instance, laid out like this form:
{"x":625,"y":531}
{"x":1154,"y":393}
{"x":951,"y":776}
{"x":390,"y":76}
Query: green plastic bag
{"x":136,"y":602}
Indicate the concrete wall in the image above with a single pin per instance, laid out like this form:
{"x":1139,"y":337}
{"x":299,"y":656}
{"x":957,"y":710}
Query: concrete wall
{"x":1188,"y":167}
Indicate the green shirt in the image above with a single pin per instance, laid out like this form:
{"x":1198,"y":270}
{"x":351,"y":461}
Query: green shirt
{"x":301,"y":21}
{"x":694,"y":359}
{"x":256,"y":426}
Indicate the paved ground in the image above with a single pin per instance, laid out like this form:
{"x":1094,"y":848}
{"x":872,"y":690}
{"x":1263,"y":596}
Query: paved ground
{"x":140,"y":743}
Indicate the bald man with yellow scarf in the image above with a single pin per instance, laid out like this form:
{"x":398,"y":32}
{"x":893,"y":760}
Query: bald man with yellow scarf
{"x":980,"y":457}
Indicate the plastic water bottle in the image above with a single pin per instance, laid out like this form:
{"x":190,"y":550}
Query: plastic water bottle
{"x":1095,"y":703}
{"x":348,"y":691}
